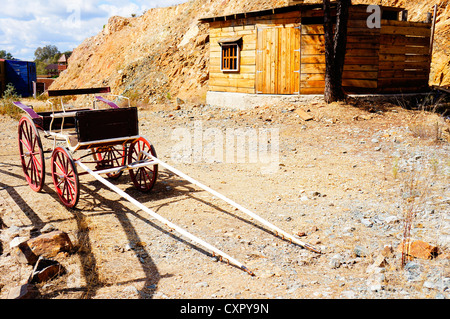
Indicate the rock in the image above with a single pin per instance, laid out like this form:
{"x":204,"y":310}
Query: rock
{"x":17,"y":241}
{"x":348,"y":294}
{"x":360,"y":251}
{"x":46,"y":269}
{"x":379,"y":263}
{"x":24,"y":254}
{"x":179,"y":101}
{"x":376,"y":281}
{"x":202,"y":284}
{"x":366,"y":222}
{"x":336,"y":261}
{"x":48,"y":228}
{"x":46,"y":245}
{"x":49,"y":245}
{"x":413,"y":271}
{"x":26,"y":291}
{"x":14,"y":230}
{"x":391,"y":219}
{"x":420,"y":249}
{"x":304,"y":198}
{"x":132,"y":290}
{"x":388,"y":251}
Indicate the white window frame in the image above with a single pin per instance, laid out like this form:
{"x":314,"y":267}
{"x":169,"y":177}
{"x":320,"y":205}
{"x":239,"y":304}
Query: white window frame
{"x":238,"y":53}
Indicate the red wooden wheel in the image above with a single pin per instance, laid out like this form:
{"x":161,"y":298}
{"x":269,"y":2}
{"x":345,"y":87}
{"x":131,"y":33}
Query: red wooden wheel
{"x":31,"y":154}
{"x":143,"y":178}
{"x":111,"y":157}
{"x":65,"y":177}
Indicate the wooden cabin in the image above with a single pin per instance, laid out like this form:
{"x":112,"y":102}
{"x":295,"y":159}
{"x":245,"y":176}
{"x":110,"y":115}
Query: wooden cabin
{"x":281,"y":51}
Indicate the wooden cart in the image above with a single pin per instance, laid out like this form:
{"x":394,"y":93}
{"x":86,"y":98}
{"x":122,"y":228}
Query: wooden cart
{"x":110,"y":140}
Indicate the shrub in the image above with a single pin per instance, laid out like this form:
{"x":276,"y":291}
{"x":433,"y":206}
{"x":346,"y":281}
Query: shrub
{"x":6,"y":103}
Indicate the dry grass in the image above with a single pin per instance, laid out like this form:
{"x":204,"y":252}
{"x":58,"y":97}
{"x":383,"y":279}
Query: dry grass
{"x":427,"y":131}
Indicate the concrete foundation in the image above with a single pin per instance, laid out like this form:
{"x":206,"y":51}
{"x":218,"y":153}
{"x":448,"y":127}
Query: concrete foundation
{"x":243,"y":101}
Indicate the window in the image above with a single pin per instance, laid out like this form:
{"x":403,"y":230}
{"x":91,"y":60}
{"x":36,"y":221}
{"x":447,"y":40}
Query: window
{"x":230,"y":60}
{"x":230,"y":57}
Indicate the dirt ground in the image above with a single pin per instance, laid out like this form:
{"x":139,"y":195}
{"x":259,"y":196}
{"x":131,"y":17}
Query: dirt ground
{"x":340,"y":184}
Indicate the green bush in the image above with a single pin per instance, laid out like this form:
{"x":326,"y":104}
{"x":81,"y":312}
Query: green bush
{"x":6,"y":103}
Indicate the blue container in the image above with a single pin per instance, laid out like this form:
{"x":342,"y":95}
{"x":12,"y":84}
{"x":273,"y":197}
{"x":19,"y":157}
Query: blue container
{"x":21,"y":74}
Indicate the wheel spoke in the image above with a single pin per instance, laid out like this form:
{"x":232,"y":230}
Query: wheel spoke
{"x":143,"y":178}
{"x":31,"y":154}
{"x":65,"y":177}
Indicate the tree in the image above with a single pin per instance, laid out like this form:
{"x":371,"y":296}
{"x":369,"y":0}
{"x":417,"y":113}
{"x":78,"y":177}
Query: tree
{"x":5,"y":55}
{"x":48,"y":54}
{"x":335,"y":48}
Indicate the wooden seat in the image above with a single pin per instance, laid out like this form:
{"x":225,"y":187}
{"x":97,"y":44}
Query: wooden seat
{"x":96,"y":125}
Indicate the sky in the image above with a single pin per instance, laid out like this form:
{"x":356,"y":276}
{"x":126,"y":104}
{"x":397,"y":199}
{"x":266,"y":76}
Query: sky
{"x":26,"y":25}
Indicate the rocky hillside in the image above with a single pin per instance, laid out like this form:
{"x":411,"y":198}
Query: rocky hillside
{"x":163,"y":54}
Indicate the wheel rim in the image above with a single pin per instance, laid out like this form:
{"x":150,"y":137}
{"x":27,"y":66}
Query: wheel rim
{"x":31,"y":154}
{"x":111,"y":157}
{"x":65,"y":177}
{"x":143,"y":178}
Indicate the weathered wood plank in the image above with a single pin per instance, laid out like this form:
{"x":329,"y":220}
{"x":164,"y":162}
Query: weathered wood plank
{"x":402,"y":83}
{"x":362,"y":52}
{"x":313,"y":68}
{"x":319,"y":90}
{"x":360,"y":83}
{"x":389,"y":39}
{"x":312,"y":84}
{"x":350,"y":60}
{"x":232,"y":82}
{"x":404,"y":74}
{"x":406,"y":24}
{"x":410,"y":31}
{"x":361,"y":67}
{"x":216,"y":88}
{"x":312,"y":59}
{"x":359,"y":75}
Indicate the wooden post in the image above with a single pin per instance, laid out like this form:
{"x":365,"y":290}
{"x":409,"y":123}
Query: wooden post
{"x":433,"y":28}
{"x":405,"y":15}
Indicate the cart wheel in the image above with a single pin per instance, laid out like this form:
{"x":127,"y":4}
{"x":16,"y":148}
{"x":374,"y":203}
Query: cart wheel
{"x":65,"y":177}
{"x":143,"y":178}
{"x":31,"y":154}
{"x":110,"y":157}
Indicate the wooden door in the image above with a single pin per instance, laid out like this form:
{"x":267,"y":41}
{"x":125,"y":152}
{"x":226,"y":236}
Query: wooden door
{"x":278,"y":60}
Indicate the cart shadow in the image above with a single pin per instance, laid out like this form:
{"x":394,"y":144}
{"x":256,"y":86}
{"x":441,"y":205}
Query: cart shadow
{"x":181,"y":190}
{"x":167,"y":188}
{"x":34,"y":218}
{"x":87,"y":258}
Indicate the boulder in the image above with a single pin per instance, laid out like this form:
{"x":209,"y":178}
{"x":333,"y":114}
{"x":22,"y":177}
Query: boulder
{"x":419,"y":249}
{"x":47,"y":245}
{"x":45,"y":269}
{"x":26,"y":291}
{"x":50,"y":244}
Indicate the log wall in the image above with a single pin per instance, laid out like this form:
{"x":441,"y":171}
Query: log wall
{"x":393,"y":58}
{"x":404,"y":56}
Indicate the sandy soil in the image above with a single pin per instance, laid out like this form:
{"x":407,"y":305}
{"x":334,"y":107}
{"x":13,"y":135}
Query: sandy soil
{"x":340,"y":184}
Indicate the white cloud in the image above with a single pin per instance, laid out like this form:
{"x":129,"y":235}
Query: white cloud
{"x":26,"y":25}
